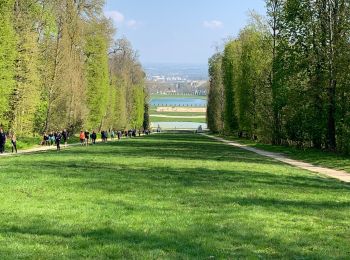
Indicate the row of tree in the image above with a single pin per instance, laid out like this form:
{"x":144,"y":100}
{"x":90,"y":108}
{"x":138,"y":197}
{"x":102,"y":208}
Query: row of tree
{"x":60,"y":68}
{"x":286,"y":79}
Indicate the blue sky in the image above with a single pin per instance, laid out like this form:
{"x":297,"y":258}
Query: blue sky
{"x":179,"y":31}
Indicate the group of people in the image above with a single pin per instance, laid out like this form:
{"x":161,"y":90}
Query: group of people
{"x":55,"y":138}
{"x":3,"y":138}
{"x":87,"y":138}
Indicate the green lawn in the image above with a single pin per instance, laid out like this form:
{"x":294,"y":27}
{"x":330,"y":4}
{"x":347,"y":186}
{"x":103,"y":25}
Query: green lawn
{"x":317,"y":157}
{"x":168,"y":197}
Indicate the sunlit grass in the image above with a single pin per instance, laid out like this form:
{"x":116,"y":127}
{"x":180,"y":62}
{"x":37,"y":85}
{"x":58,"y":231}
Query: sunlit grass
{"x":168,"y":196}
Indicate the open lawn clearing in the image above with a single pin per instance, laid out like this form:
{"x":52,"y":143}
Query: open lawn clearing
{"x":168,"y":196}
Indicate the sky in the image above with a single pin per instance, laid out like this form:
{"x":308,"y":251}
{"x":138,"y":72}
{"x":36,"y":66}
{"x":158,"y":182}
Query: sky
{"x":179,"y":31}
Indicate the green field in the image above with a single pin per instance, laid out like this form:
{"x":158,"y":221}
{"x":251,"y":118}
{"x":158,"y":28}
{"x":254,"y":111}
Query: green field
{"x":168,"y":197}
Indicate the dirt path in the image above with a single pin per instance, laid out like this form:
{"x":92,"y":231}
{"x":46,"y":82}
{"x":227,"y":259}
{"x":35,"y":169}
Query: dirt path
{"x":38,"y":149}
{"x":336,"y":174}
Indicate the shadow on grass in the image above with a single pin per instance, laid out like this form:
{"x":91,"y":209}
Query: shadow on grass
{"x":210,"y":194}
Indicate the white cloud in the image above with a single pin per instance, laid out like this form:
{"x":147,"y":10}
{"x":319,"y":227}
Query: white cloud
{"x":132,"y":23}
{"x":120,"y":20}
{"x":214,"y":24}
{"x":116,"y":16}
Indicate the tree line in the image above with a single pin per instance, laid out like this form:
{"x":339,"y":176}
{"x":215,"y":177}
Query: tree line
{"x":60,"y":68}
{"x":285,"y":78}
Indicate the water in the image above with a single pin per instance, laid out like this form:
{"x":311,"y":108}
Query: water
{"x":187,"y":102}
{"x":178,"y":125}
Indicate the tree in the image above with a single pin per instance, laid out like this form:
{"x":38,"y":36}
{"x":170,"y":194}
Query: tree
{"x":215,"y":108}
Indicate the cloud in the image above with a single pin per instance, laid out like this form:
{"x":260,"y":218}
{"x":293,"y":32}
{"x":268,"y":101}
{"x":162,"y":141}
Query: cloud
{"x":116,"y":16}
{"x":213,"y":24}
{"x":132,"y":24}
{"x":120,"y":20}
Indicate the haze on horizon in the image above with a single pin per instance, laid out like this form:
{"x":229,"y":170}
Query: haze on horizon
{"x":181,"y":31}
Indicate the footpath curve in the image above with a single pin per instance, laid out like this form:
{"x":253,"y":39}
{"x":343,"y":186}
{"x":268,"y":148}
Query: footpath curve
{"x":336,"y":174}
{"x":38,"y":149}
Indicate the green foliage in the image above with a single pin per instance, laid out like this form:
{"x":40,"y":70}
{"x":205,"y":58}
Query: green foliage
{"x":230,"y":64}
{"x":8,"y":55}
{"x":146,"y":121}
{"x":56,"y":71}
{"x":286,"y":79}
{"x":216,"y":97}
{"x":98,"y":91}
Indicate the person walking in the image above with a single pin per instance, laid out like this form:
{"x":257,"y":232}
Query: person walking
{"x":13,"y":139}
{"x":82,"y":137}
{"x":65,"y":136}
{"x":112,"y":135}
{"x":2,"y":140}
{"x":58,"y":137}
{"x":93,"y":137}
{"x":87,"y":137}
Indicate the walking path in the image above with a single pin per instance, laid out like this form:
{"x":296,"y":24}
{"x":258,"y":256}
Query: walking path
{"x":38,"y":149}
{"x":336,"y":174}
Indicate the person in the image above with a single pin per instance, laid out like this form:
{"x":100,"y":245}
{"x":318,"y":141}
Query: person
{"x":65,"y":136}
{"x":2,"y":140}
{"x":103,"y":136}
{"x":119,"y":135}
{"x":87,"y":136}
{"x":112,"y":135}
{"x":45,"y":139}
{"x":58,"y":137}
{"x":51,"y":138}
{"x":13,"y":142}
{"x":93,"y":137}
{"x":82,"y":137}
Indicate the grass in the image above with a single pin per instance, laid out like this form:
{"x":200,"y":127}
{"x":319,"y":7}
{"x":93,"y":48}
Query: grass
{"x":171,"y":119}
{"x":314,"y":156}
{"x":168,"y":197}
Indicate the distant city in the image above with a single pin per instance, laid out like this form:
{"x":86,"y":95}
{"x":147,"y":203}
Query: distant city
{"x":177,"y":79}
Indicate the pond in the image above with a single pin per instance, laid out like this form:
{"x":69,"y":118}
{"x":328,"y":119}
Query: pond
{"x":194,"y":102}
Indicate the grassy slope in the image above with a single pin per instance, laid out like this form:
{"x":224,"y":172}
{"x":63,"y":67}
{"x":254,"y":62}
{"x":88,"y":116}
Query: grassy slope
{"x":168,"y":196}
{"x":317,"y":157}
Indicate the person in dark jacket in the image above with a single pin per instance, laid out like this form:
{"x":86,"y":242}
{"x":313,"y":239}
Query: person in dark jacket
{"x":58,"y":137}
{"x":93,"y":137}
{"x":2,"y":140}
{"x":65,"y":136}
{"x":87,"y":137}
